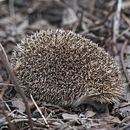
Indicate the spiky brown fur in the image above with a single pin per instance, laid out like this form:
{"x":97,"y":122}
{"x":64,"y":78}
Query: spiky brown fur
{"x":60,"y":67}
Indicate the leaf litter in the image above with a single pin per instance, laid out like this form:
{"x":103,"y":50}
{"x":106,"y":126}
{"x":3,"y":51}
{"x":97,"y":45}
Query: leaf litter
{"x":92,"y":19}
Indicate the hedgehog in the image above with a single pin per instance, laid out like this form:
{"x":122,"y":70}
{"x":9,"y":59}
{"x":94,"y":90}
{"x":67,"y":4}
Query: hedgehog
{"x":63,"y":68}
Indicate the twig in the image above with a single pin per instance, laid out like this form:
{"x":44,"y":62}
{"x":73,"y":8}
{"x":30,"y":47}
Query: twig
{"x":23,"y":119}
{"x":125,"y":105}
{"x":7,"y":106}
{"x":16,"y":118}
{"x":116,"y":24}
{"x":117,"y":21}
{"x":123,"y":121}
{"x":125,"y":127}
{"x":39,"y":111}
{"x":55,"y":106}
{"x":127,"y":119}
{"x":124,"y":32}
{"x":5,"y":84}
{"x":5,"y":61}
{"x":122,"y":61}
{"x":127,"y":20}
{"x":102,"y":23}
{"x":11,"y":126}
{"x":12,"y":15}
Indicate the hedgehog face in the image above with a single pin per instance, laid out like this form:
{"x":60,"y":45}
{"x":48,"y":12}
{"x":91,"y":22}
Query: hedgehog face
{"x":60,"y":67}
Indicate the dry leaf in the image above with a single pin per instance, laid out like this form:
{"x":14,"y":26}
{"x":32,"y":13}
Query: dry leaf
{"x":18,"y":103}
{"x":70,"y":116}
{"x":69,"y":17}
{"x":89,"y":114}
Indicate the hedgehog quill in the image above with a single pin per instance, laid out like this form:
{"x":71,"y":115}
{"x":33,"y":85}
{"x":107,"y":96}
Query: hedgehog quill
{"x":64,"y":68}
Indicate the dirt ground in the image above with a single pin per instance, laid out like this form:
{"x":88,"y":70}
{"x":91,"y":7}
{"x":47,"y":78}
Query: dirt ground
{"x":106,"y":22}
